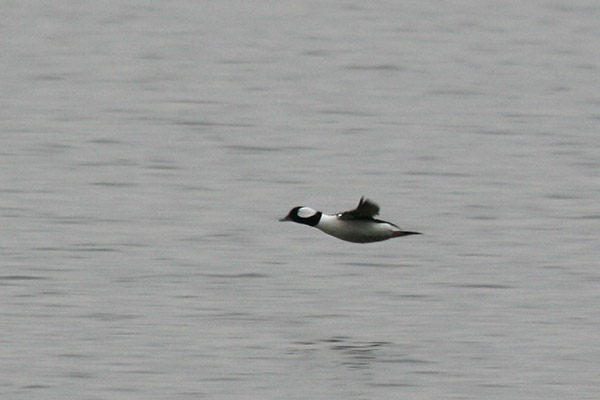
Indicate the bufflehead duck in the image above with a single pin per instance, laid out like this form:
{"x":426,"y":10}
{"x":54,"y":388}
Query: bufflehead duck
{"x":356,"y":225}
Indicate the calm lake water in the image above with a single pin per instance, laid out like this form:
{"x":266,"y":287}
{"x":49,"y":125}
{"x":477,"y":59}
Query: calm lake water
{"x":148,"y":149}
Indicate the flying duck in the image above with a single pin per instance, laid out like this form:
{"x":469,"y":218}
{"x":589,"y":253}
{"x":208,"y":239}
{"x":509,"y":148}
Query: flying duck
{"x":357,"y":226}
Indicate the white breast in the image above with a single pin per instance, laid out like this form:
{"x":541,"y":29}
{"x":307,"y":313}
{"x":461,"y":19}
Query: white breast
{"x":358,"y":231}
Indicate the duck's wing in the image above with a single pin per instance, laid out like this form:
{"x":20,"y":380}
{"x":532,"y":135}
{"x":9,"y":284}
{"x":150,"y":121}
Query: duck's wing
{"x":365,"y":209}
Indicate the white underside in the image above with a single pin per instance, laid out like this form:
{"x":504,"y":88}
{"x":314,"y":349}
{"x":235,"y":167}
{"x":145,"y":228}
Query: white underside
{"x":357,"y":231}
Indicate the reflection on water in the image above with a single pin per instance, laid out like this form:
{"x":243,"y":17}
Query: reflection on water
{"x":355,"y":354}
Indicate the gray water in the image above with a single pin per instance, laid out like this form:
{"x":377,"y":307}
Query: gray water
{"x":149,"y":147}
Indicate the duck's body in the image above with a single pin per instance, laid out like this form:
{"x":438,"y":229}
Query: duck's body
{"x":356,"y":225}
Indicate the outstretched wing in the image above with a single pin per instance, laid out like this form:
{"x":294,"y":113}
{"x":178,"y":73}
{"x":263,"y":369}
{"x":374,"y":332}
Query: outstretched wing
{"x":365,"y":209}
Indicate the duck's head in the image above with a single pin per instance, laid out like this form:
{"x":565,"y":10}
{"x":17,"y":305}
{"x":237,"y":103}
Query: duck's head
{"x":303,"y":215}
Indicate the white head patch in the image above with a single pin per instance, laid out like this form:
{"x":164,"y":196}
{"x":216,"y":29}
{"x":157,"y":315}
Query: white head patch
{"x":306,"y":212}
